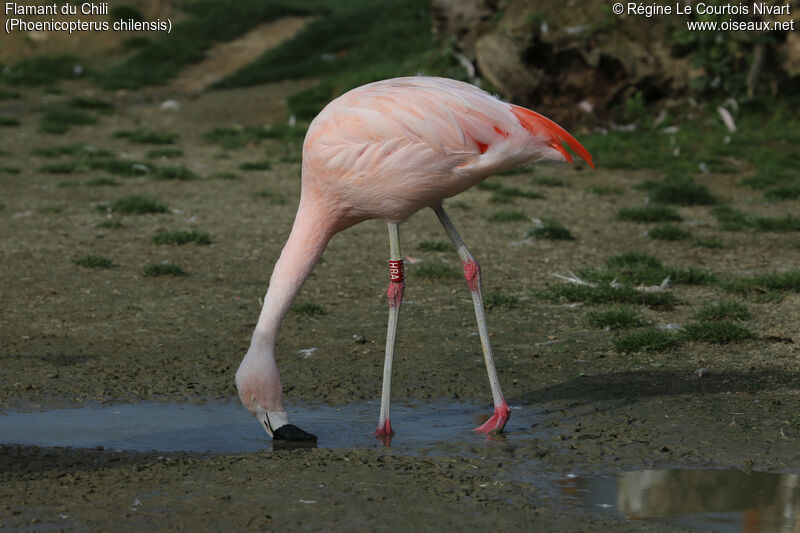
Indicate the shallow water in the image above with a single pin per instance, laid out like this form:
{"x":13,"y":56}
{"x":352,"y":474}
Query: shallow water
{"x":719,"y":500}
{"x":226,"y":427}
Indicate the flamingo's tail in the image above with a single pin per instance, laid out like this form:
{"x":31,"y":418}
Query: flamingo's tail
{"x":538,"y":124}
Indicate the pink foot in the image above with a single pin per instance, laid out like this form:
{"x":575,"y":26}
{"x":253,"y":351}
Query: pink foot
{"x":384,"y":433}
{"x":498,"y":420}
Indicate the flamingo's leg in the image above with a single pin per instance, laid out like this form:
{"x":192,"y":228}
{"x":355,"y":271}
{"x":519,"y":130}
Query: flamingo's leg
{"x":395,"y":296}
{"x":472,"y":273}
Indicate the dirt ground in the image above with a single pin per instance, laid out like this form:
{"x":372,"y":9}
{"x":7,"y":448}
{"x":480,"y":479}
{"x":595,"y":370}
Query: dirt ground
{"x":71,"y":334}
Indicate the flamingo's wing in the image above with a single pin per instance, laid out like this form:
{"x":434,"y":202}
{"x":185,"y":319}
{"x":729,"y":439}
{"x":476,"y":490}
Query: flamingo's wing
{"x":475,"y":132}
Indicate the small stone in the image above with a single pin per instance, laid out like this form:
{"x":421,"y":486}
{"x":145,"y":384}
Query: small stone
{"x":170,"y":105}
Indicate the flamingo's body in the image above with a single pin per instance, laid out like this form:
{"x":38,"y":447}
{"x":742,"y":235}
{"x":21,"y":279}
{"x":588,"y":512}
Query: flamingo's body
{"x":387,"y":150}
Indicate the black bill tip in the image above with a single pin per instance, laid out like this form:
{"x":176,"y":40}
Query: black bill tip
{"x":290,"y":432}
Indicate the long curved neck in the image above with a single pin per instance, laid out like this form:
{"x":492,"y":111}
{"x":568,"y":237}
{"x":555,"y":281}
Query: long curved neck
{"x":308,"y":239}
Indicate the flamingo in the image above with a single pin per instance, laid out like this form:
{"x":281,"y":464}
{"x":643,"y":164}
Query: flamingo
{"x":386,"y":150}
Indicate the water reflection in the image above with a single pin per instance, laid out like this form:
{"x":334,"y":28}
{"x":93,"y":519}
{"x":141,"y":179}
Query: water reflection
{"x":722,"y":500}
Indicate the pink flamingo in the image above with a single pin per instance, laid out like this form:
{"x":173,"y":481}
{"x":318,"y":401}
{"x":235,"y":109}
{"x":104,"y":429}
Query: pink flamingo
{"x":387,"y":150}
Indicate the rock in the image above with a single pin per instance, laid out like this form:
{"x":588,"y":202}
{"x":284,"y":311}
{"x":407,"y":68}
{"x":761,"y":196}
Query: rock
{"x":170,"y":105}
{"x":552,"y":57}
{"x":789,"y":54}
{"x":462,"y":20}
{"x":500,"y":61}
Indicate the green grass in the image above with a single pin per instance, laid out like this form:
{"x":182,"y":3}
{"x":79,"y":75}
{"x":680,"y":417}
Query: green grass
{"x":136,"y":43}
{"x":641,"y":269}
{"x":69,"y":183}
{"x":710,"y":242}
{"x":61,"y":168}
{"x":691,"y":276}
{"x":308,"y":309}
{"x":646,"y":340}
{"x":508,"y":216}
{"x":124,"y":12}
{"x":9,"y":95}
{"x":767,"y":141}
{"x":121,"y":168}
{"x":494,"y":299}
{"x":175,"y":172}
{"x":273,"y":197}
{"x":164,"y":269}
{"x":353,"y":43}
{"x":102,"y":182}
{"x":777,"y":224}
{"x":225,"y":176}
{"x":8,"y":122}
{"x":145,"y":136}
{"x":668,"y":232}
{"x":768,"y":285}
{"x":346,"y":45}
{"x":359,"y":32}
{"x":717,"y":332}
{"x":616,"y":318}
{"x":549,"y":181}
{"x":433,"y":272}
{"x":41,"y":70}
{"x":787,"y":192}
{"x":111,"y":224}
{"x":722,"y":311}
{"x":551,"y":230}
{"x":181,"y":237}
{"x":58,"y":121}
{"x":255,"y":165}
{"x":135,"y":204}
{"x":207,"y":22}
{"x":678,"y":191}
{"x":605,"y":294}
{"x":435,"y":246}
{"x":649,"y":213}
{"x":94,"y":261}
{"x":731,"y":219}
{"x":502,"y":194}
{"x":166,"y":153}
{"x":73,"y":150}
{"x":240,"y":136}
{"x":94,"y":104}
{"x":635,"y":262}
{"x":10,"y":170}
{"x":291,"y":157}
{"x":604,"y":191}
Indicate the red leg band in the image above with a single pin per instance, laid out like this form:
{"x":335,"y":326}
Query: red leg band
{"x":396,"y":284}
{"x":396,"y":270}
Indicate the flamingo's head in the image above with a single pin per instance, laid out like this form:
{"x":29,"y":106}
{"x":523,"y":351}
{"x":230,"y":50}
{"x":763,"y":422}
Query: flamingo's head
{"x":260,"y":391}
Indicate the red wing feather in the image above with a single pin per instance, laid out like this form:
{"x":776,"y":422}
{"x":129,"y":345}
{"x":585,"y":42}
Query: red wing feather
{"x":536,"y":124}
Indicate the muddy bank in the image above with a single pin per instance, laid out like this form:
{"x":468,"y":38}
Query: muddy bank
{"x":308,"y":489}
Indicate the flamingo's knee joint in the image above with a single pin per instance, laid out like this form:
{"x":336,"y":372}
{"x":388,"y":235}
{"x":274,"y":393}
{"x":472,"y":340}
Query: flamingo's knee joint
{"x":472,"y":273}
{"x":395,"y":293}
